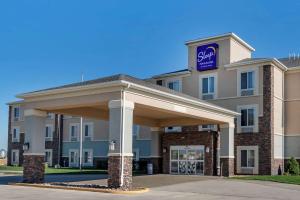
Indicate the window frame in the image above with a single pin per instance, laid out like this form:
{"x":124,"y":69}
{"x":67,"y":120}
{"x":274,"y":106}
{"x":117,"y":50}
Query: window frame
{"x":247,"y":170}
{"x":51,"y":156}
{"x":16,"y":118}
{"x":49,"y":126}
{"x":70,"y":132}
{"x":17,"y":139}
{"x":74,"y":164}
{"x":255,"y":88}
{"x":90,"y":130}
{"x":179,"y":80}
{"x":88,"y":164}
{"x":239,"y":118}
{"x":209,"y":75}
{"x":18,"y":156}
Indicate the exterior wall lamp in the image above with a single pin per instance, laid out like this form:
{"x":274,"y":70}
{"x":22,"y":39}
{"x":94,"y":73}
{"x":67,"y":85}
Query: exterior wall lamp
{"x":112,"y":145}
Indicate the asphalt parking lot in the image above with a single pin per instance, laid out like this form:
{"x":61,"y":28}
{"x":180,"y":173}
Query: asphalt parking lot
{"x":161,"y":187}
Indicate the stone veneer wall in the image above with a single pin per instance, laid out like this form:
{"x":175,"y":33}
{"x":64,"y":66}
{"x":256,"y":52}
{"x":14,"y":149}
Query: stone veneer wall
{"x":264,"y":139}
{"x":34,"y":169}
{"x":114,"y":172}
{"x":189,"y":136}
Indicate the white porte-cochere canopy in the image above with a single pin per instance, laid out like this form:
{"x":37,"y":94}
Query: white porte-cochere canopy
{"x":124,"y":100}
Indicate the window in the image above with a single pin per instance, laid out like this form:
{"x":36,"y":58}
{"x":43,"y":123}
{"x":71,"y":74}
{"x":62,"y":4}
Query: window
{"x":88,"y":157}
{"x":173,"y":129}
{"x":73,"y":158}
{"x":16,"y":113}
{"x":247,"y":83}
{"x":50,"y":115}
{"x":74,"y":132}
{"x":208,"y":88}
{"x":174,"y":85}
{"x":159,"y":82}
{"x":207,"y":127}
{"x":248,"y":120}
{"x":49,"y":132}
{"x":15,"y":157}
{"x":247,"y":117}
{"x":247,"y":158}
{"x":88,"y":131}
{"x":48,"y":157}
{"x":15,"y":134}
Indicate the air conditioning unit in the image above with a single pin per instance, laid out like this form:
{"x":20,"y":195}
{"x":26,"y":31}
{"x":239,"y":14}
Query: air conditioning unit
{"x":247,"y":92}
{"x":247,"y":170}
{"x":207,"y":96}
{"x":247,"y":129}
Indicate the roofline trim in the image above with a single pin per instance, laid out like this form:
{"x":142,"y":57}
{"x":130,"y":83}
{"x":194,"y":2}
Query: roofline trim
{"x":233,"y":35}
{"x":272,"y":60}
{"x":171,"y":74}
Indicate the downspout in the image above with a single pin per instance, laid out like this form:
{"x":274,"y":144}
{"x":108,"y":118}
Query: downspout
{"x":122,"y":132}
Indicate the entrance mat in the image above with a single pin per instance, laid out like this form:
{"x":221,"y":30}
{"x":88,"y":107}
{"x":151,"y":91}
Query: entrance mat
{"x":87,"y":188}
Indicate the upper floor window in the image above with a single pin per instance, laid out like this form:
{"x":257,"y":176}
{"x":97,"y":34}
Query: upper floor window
{"x":74,"y":132}
{"x":16,"y":113}
{"x":248,"y":121}
{"x":88,"y":131}
{"x":50,"y":115}
{"x":208,"y":87}
{"x":174,"y":85}
{"x":15,"y":134}
{"x":247,"y":83}
{"x":49,"y":132}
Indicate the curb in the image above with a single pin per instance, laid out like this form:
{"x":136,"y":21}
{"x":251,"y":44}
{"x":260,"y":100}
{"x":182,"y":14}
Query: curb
{"x":111,"y":191}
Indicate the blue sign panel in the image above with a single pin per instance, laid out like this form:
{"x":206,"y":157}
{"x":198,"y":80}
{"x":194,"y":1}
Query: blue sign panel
{"x":207,"y":57}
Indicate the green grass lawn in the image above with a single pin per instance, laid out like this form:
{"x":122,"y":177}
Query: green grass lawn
{"x":55,"y":171}
{"x":280,"y":179}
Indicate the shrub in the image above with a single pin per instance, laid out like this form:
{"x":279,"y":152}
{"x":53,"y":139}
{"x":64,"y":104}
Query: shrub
{"x":292,"y":166}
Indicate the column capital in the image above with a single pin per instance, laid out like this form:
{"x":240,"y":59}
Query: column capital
{"x":119,"y":103}
{"x":35,"y":112}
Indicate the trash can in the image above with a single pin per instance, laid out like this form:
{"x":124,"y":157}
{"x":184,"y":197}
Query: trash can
{"x":149,"y":168}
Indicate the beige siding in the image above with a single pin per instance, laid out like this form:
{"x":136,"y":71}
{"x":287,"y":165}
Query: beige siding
{"x":238,"y":52}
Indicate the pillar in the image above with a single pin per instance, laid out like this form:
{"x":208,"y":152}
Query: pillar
{"x":227,"y":149}
{"x":120,"y":157}
{"x":33,"y":165}
{"x":156,"y":157}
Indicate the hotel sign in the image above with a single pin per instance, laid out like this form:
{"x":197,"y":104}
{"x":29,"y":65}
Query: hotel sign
{"x":207,"y":57}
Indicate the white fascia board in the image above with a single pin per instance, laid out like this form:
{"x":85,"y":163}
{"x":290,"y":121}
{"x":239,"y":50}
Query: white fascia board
{"x":183,"y":99}
{"x":273,"y":61}
{"x":233,"y":35}
{"x":171,"y":74}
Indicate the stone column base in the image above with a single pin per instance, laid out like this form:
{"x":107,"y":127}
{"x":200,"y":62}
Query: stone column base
{"x":114,"y":172}
{"x":278,"y":167}
{"x":33,"y":169}
{"x":227,"y":166}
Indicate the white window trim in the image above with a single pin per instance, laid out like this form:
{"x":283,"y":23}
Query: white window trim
{"x":256,"y":158}
{"x":70,"y":131}
{"x":74,"y":164}
{"x":51,"y":127}
{"x":256,"y":79}
{"x":18,"y":134}
{"x":91,"y":125}
{"x":18,"y":157}
{"x":256,"y":111}
{"x":51,"y":156}
{"x":214,"y":128}
{"x":175,"y":129}
{"x":173,"y":80}
{"x":92,"y":155}
{"x":13,"y":113}
{"x":215,"y":75}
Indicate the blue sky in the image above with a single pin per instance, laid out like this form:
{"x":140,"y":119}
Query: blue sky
{"x":48,"y":43}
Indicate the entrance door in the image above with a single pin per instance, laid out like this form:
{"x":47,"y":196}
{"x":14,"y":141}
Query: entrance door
{"x":187,"y":160}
